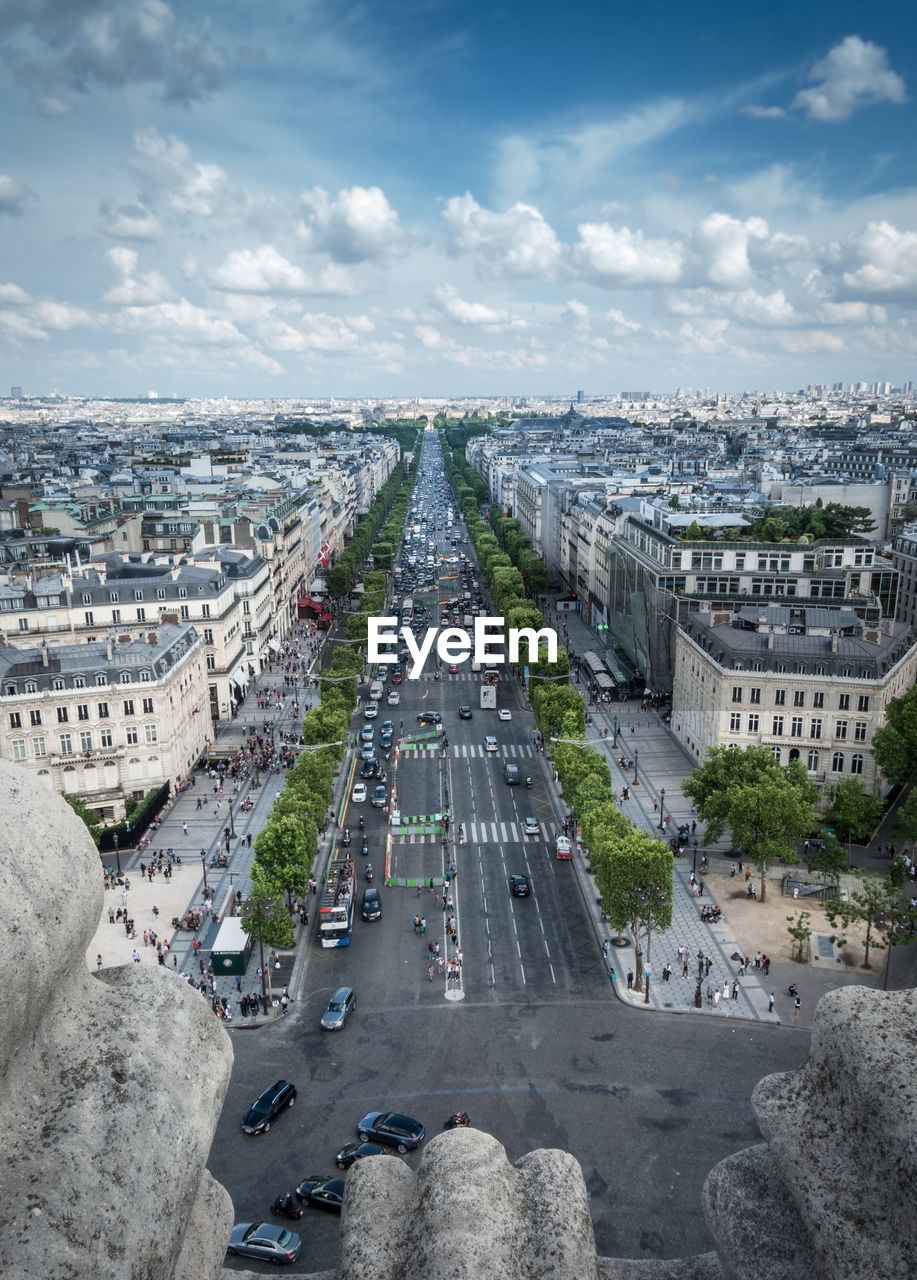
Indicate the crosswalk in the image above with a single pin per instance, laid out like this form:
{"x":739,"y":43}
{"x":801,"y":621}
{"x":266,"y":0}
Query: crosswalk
{"x":475,"y":751}
{"x":504,"y":832}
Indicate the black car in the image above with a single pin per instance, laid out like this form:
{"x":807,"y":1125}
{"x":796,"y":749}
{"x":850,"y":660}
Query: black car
{"x":429,"y":717}
{"x":326,"y":1193}
{"x":520,"y":886}
{"x":391,"y":1129}
{"x":385,"y":740}
{"x":261,"y":1114}
{"x":353,"y":1151}
{"x":464,"y":713}
{"x":372,"y":904}
{"x":368,"y":767}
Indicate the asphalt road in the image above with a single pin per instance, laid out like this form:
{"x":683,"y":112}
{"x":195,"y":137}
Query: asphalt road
{"x":539,"y":1051}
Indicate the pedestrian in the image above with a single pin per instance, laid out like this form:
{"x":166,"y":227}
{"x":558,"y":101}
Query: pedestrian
{"x":797,"y":1005}
{"x":111,"y":915}
{"x":430,"y":971}
{"x":709,"y":994}
{"x":99,"y":961}
{"x":284,"y":1001}
{"x":630,"y":979}
{"x":684,"y":967}
{"x":605,"y":949}
{"x":423,"y":926}
{"x":735,"y":989}
{"x":770,"y":1003}
{"x":707,"y":963}
{"x":766,"y":965}
{"x":716,"y":998}
{"x":135,"y":956}
{"x":184,"y":827}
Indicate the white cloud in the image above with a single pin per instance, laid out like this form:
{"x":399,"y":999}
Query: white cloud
{"x":852,"y":313}
{"x":854,"y":74}
{"x":518,"y":243}
{"x":620,"y":323}
{"x":12,"y":295}
{"x":618,"y":255}
{"x":768,"y":310}
{"x":52,"y":108}
{"x":16,"y":325}
{"x":128,"y":221}
{"x":475,"y":313}
{"x":169,"y":176}
{"x":130,"y":290}
{"x":266,"y":271}
{"x":763,"y":113}
{"x":810,"y":341}
{"x":62,"y":316}
{"x":888,"y":260}
{"x":14,"y":195}
{"x":179,"y":321}
{"x":428,"y":336}
{"x":357,"y":224}
{"x":722,"y":244}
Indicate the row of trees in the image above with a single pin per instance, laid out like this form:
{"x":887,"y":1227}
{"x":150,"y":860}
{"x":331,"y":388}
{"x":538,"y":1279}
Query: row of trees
{"x":383,"y":521}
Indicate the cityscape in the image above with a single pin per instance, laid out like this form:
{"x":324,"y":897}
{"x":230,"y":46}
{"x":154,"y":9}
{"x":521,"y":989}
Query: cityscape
{"x":416,"y":739}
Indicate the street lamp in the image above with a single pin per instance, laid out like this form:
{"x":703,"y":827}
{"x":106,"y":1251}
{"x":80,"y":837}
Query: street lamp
{"x":204,"y":866}
{"x":259,"y":910}
{"x":636,"y":758}
{"x":694,"y":860}
{"x":661,"y":824}
{"x":232,"y":825}
{"x":117,"y":854}
{"x":614,"y":741}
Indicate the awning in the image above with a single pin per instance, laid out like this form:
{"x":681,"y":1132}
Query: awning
{"x":306,"y":602}
{"x":318,"y":587}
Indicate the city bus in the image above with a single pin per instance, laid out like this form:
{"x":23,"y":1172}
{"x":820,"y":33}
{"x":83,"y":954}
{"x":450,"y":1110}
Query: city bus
{"x":407,"y":611}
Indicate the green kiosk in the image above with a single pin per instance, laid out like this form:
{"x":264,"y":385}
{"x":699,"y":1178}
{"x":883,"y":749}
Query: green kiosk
{"x":232,"y":949}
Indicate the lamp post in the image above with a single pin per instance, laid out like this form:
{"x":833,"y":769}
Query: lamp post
{"x":232,"y":825}
{"x":636,"y":758}
{"x":661,"y":824}
{"x":694,"y":860}
{"x":614,"y":741}
{"x":114,"y":837}
{"x":649,"y":898}
{"x":253,"y":909}
{"x":204,"y":868}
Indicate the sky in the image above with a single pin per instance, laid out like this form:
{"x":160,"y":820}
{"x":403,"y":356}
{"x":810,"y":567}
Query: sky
{"x":307,"y":199}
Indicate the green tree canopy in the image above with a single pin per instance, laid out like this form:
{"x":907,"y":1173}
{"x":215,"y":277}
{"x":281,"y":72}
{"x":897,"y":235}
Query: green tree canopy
{"x":894,"y":745}
{"x":853,"y":811}
{"x":633,"y":873}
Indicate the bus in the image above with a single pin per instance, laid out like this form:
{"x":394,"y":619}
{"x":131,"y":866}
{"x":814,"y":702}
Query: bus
{"x":407,"y":611}
{"x":598,"y":674}
{"x":336,"y":910}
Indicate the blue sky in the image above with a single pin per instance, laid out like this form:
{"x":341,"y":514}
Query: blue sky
{"x":312,"y":199}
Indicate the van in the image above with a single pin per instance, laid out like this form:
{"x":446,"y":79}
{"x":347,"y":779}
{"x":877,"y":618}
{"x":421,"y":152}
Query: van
{"x":376,"y":690}
{"x":564,"y":848}
{"x":511,"y":775}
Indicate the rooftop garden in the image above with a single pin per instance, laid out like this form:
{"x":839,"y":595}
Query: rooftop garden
{"x":791,"y":524}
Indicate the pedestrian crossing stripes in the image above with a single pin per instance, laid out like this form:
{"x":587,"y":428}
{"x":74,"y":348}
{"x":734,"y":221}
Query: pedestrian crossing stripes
{"x":475,"y":751}
{"x":416,"y":839}
{"x":504,"y":832}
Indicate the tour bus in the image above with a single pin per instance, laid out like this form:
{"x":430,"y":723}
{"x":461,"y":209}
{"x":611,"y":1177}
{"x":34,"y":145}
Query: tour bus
{"x":407,"y":611}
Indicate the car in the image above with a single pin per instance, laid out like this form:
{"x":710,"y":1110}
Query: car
{"x":372,"y":905}
{"x":385,"y":740}
{"x":353,"y":1151}
{"x":265,"y":1109}
{"x":367,"y":751}
{"x":464,"y":713}
{"x":511,"y":775}
{"x":397,"y":677}
{"x":359,"y":793}
{"x":367,"y":733}
{"x":490,"y":743}
{"x":429,"y":717}
{"x":393,"y":698}
{"x":368,"y":767}
{"x":378,"y":797}
{"x":340,"y":1007}
{"x":532,"y":827}
{"x":371,"y":710}
{"x":519,"y":886}
{"x":453,"y":669}
{"x":326,"y":1193}
{"x":386,"y":727}
{"x":264,"y":1240}
{"x":504,"y":714}
{"x":392,"y":1130}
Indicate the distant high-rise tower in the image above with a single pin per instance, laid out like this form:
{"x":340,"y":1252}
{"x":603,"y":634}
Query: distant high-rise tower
{"x":579,"y":397}
{"x":15,"y":393}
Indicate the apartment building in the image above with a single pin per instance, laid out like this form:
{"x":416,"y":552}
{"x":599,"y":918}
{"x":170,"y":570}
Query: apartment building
{"x":810,"y":683}
{"x":107,"y":720}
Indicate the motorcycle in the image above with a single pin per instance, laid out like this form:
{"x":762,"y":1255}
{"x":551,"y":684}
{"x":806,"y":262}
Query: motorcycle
{"x":361,"y":822}
{"x":364,"y":848}
{"x":793,"y":990}
{"x":345,"y":838}
{"x":461,"y":1120}
{"x":285,"y":1206}
{"x":368,"y":874}
{"x":528,"y":783}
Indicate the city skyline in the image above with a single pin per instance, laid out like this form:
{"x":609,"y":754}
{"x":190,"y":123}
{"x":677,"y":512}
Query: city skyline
{"x":426,"y":199}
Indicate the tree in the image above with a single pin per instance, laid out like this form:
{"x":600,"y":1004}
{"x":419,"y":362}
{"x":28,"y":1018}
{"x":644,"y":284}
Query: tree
{"x":285,"y":850}
{"x":633,"y":872}
{"x":894,"y":746}
{"x":905,"y":827}
{"x":870,"y":908}
{"x":827,"y":858}
{"x":263,"y":914}
{"x":854,"y":812}
{"x":768,"y":806}
{"x":800,"y":930}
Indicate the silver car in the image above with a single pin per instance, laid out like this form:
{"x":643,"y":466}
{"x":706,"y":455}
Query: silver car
{"x":340,"y":1006}
{"x":266,"y":1241}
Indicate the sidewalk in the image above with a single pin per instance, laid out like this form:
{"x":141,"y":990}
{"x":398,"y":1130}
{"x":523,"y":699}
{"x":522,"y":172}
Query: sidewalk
{"x":185,"y":889}
{"x":661,"y":766}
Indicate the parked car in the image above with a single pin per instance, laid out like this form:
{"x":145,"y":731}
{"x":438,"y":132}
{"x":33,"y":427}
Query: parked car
{"x":264,"y":1240}
{"x":372,"y":905}
{"x":353,"y":1151}
{"x":519,"y":886}
{"x":264,"y":1110}
{"x":392,"y":1130}
{"x":340,"y":1007}
{"x":359,"y":793}
{"x":326,"y":1193}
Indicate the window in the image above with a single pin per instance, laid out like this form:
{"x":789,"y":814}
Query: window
{"x":821,"y":670}
{"x":863,"y":702}
{"x":736,"y":693}
{"x":183,"y":611}
{"x":18,"y":748}
{"x":23,"y":624}
{"x":15,"y":720}
{"x":132,"y":736}
{"x":754,"y":696}
{"x":150,"y":733}
{"x":843,"y":702}
{"x":40,"y":746}
{"x":818,"y":701}
{"x":79,"y":682}
{"x":66,"y":744}
{"x":812,"y":762}
{"x":160,"y":593}
{"x":735,"y":722}
{"x":211,"y":662}
{"x":856,"y":764}
{"x":125,"y":677}
{"x":182,"y":593}
{"x":780,"y":697}
{"x":87,"y":598}
{"x":141,"y":615}
{"x":837,"y":762}
{"x":753,"y":722}
{"x":116,"y":615}
{"x":859,"y":731}
{"x":815,"y":729}
{"x":86,"y":740}
{"x":62,"y":715}
{"x":777,"y":730}
{"x":113,"y":597}
{"x":128,"y":706}
{"x":840,"y":729}
{"x":796,"y":727}
{"x":138,"y":595}
{"x":208,"y":635}
{"x":105,"y":737}
{"x":144,"y":677}
{"x":102,"y":709}
{"x":31,"y":686}
{"x":57,"y":685}
{"x":101,"y":681}
{"x":82,"y":711}
{"x":799,"y":698}
{"x":205,"y":610}
{"x":775,"y":752}
{"x":34,"y":717}
{"x":147,"y":706}
{"x":88,"y":618}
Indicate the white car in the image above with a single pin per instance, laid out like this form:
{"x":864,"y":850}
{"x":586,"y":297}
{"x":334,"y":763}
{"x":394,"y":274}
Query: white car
{"x":359,"y":793}
{"x":393,"y":698}
{"x":371,"y":711}
{"x":504,"y":714}
{"x":490,"y":743}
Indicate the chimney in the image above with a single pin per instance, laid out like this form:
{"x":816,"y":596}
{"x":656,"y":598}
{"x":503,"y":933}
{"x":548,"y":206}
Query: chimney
{"x":771,"y":644}
{"x":109,"y":647}
{"x":834,"y":642}
{"x":45,"y":655}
